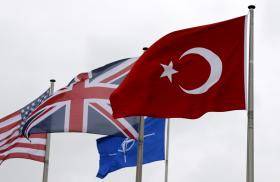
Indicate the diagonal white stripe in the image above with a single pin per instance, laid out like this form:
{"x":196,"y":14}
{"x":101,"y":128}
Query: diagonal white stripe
{"x":105,"y":104}
{"x":118,"y":68}
{"x":45,"y":115}
{"x":123,"y":121}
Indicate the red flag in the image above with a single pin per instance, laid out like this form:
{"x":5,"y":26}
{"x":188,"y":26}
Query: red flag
{"x":186,"y":74}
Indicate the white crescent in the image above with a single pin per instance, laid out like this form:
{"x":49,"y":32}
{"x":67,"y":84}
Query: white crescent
{"x":215,"y":67}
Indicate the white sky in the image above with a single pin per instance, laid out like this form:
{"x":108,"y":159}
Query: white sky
{"x":40,"y":40}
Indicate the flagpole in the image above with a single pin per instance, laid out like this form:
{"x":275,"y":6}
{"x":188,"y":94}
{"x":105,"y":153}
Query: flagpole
{"x":140,"y":150}
{"x":167,"y":151}
{"x":140,"y":146}
{"x":250,"y":113}
{"x":48,"y":143}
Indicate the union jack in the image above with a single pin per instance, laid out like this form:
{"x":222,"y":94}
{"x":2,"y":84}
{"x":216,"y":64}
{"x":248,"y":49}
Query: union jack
{"x":83,"y":105}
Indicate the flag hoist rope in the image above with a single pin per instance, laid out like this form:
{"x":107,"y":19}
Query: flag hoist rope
{"x":46,"y":163}
{"x":250,"y":112}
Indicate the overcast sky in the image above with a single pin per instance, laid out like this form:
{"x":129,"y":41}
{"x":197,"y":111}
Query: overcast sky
{"x":41,"y":40}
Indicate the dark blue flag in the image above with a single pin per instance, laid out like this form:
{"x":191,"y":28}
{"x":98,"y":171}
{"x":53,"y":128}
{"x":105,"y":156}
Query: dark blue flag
{"x":119,"y":152}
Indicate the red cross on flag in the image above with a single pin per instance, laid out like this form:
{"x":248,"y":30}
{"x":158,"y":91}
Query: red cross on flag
{"x":83,"y":106}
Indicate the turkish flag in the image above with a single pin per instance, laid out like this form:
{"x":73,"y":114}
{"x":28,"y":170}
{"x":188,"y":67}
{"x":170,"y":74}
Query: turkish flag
{"x":186,"y":74}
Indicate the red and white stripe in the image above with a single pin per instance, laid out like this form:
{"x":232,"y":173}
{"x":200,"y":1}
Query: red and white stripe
{"x":12,"y":145}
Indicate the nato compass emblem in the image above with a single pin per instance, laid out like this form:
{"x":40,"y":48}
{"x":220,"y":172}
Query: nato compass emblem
{"x":127,"y":145}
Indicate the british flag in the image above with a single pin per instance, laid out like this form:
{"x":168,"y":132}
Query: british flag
{"x":83,"y":105}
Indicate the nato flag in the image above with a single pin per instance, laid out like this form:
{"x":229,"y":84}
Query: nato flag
{"x":119,"y":152}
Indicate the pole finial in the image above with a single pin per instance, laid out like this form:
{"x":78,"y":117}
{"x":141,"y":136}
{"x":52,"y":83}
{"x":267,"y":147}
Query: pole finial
{"x":145,"y":48}
{"x":251,"y":7}
{"x":52,"y":80}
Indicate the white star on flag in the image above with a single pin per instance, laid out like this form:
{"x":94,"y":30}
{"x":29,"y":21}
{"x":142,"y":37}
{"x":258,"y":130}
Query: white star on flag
{"x":168,"y":71}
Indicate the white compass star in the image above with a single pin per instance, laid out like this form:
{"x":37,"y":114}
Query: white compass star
{"x":168,"y":71}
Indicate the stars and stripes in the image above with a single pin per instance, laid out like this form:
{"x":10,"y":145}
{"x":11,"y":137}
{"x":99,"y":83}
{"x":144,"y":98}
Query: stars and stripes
{"x":83,"y":106}
{"x":25,"y":112}
{"x":28,"y":109}
{"x":13,"y":144}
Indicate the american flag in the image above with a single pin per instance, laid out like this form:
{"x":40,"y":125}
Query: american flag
{"x":13,"y":144}
{"x":83,"y":105}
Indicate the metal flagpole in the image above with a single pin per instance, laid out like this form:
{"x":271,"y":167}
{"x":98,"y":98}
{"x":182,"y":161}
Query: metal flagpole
{"x":167,"y":151}
{"x":140,"y":150}
{"x":46,"y":163}
{"x":140,"y":146}
{"x":250,"y":114}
